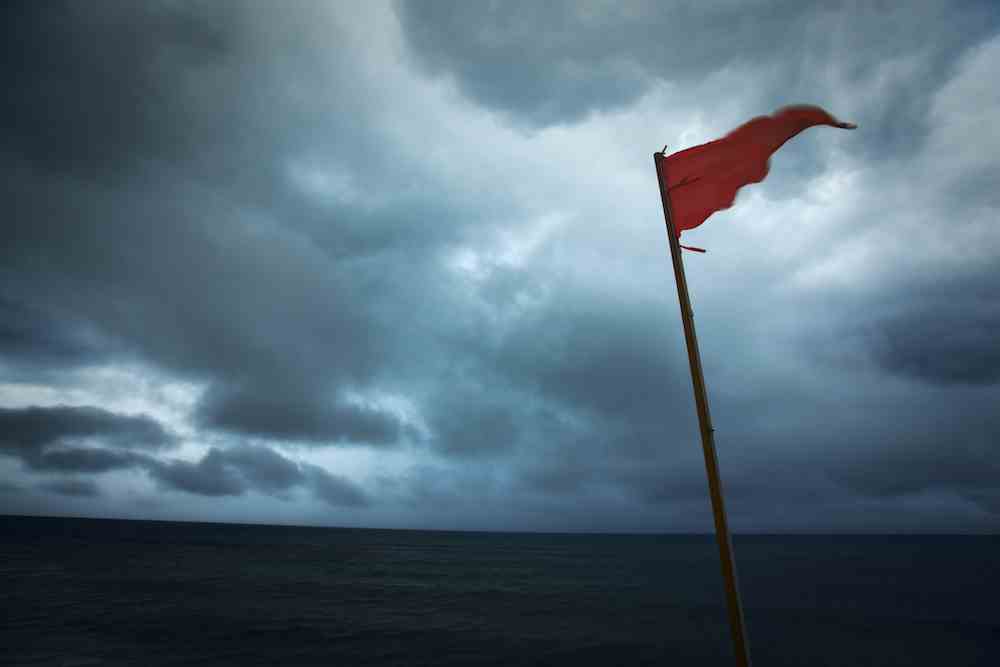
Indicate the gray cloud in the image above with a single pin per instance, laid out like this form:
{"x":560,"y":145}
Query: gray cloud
{"x":55,"y":440}
{"x":92,"y":86}
{"x":81,"y":459}
{"x":930,"y":345}
{"x":263,"y":468}
{"x":211,"y":476}
{"x":579,"y":395}
{"x":84,"y":440}
{"x":9,"y":487}
{"x":471,"y":422}
{"x":236,"y":470}
{"x":297,"y":415}
{"x":74,"y":488}
{"x":256,"y":310}
{"x":553,"y":62}
{"x":279,"y":210}
{"x":333,"y":489}
{"x":604,"y":355}
{"x":936,"y":328}
{"x":944,"y":333}
{"x":36,"y":340}
{"x":954,"y":453}
{"x":34,"y":428}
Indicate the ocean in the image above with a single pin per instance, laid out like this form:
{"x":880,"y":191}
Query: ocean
{"x":106,"y":592}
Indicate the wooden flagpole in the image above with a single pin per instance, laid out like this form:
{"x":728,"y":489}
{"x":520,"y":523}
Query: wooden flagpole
{"x":735,"y":607}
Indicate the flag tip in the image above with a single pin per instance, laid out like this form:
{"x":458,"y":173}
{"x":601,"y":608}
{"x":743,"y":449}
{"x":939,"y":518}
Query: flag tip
{"x":848,"y":126}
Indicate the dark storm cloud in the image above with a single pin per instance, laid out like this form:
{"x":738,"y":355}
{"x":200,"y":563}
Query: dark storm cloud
{"x":944,"y":345}
{"x":80,"y":459}
{"x":89,"y":84}
{"x":303,"y":416}
{"x":934,"y":328}
{"x":600,"y":354}
{"x":263,"y":468}
{"x":601,"y":361}
{"x":236,"y":470}
{"x":943,"y":339}
{"x":782,"y":460}
{"x":79,"y":439}
{"x":202,"y":291}
{"x":967,"y":468}
{"x":579,"y":405}
{"x":74,"y":488}
{"x":553,"y":62}
{"x":213,"y":475}
{"x":471,"y":422}
{"x":952,"y":451}
{"x":223,"y":193}
{"x":54,"y":440}
{"x":34,"y":339}
{"x":33,"y":428}
{"x":655,"y":466}
{"x":333,"y":489}
{"x":9,"y":488}
{"x":166,"y":132}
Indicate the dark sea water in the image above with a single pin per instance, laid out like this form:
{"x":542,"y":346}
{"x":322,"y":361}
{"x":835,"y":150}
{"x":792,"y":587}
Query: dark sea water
{"x":95,"y":592}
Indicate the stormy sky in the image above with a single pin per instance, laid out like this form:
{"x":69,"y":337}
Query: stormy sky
{"x":404,"y":265}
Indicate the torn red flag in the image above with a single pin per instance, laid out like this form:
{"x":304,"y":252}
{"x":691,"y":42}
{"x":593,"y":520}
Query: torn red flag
{"x":705,"y":179}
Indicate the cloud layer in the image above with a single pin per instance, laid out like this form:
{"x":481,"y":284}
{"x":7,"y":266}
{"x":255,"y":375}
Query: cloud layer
{"x":403,"y":265}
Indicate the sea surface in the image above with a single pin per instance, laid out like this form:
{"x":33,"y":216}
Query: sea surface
{"x":102,"y":592}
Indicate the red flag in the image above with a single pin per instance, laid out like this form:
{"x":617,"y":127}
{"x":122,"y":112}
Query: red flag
{"x":705,"y":179}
